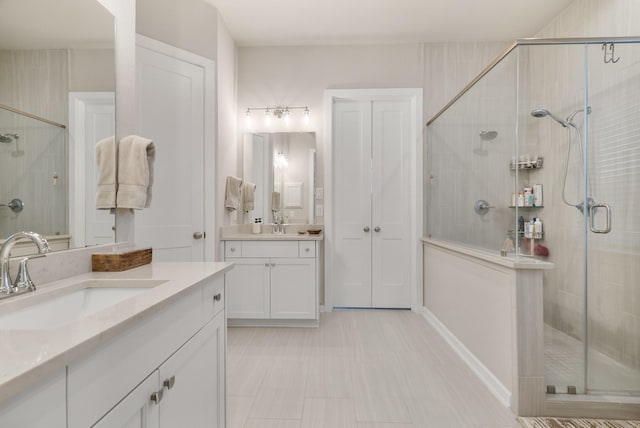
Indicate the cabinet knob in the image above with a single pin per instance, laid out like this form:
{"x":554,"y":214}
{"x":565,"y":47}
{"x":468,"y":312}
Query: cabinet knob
{"x":232,"y":249}
{"x":168,"y":383}
{"x":307,"y":249}
{"x":273,"y":265}
{"x":156,"y":397}
{"x":217,"y":297}
{"x":197,"y":235}
{"x":266,"y":265}
{"x":366,"y":229}
{"x":377,"y":229}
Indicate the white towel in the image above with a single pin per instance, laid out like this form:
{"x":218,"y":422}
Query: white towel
{"x":135,"y":172}
{"x":106,"y":177}
{"x":275,"y":201}
{"x":232,"y":193}
{"x":248,"y":196}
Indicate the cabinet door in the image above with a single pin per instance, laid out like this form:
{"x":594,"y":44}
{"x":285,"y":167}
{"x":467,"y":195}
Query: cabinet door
{"x":193,"y":381}
{"x":293,"y":288}
{"x":41,"y":406}
{"x":136,"y":410}
{"x":247,"y":287}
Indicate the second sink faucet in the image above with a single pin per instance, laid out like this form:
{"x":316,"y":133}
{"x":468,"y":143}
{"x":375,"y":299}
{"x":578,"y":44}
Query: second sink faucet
{"x":278,"y":226}
{"x":6,"y":285}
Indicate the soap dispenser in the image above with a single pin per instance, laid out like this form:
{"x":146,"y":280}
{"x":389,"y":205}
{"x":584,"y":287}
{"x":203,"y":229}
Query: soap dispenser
{"x":257,"y":225}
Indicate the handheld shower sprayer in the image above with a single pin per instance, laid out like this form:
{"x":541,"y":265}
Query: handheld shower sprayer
{"x":541,"y":112}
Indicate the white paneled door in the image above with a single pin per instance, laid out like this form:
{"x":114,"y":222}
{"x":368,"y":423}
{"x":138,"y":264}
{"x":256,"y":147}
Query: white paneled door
{"x":171,"y":112}
{"x":372,"y":208}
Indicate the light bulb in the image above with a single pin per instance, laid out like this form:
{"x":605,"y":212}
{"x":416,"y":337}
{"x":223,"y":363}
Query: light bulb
{"x":306,"y":115}
{"x":247,"y":120}
{"x":286,"y":117}
{"x":267,"y":117}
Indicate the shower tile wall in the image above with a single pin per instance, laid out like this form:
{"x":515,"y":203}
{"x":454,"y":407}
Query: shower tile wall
{"x":614,"y":262}
{"x":35,"y":82}
{"x":465,"y":169}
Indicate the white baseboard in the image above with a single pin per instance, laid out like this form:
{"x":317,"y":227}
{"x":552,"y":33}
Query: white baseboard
{"x":494,"y":385}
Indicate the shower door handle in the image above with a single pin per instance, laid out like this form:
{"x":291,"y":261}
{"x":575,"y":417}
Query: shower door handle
{"x":592,"y":211}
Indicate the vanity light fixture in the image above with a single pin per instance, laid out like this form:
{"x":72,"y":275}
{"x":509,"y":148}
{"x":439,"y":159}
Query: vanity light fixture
{"x":278,"y":112}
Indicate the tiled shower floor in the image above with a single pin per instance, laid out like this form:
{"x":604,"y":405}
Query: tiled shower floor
{"x":564,"y":364}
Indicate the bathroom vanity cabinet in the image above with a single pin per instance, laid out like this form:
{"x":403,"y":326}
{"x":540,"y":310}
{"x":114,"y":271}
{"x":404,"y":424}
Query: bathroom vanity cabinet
{"x":168,"y":371}
{"x":273,"y":282}
{"x":165,"y":368}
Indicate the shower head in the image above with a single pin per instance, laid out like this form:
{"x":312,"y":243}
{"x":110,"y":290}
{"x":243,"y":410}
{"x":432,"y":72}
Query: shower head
{"x":540,"y":112}
{"x":488,"y":135}
{"x":8,"y":138}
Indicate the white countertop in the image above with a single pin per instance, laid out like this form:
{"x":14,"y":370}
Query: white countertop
{"x":272,"y":237}
{"x":242,"y":232}
{"x":27,"y":356}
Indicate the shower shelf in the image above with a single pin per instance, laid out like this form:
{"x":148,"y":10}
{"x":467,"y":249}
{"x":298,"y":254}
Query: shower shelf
{"x":528,"y":165}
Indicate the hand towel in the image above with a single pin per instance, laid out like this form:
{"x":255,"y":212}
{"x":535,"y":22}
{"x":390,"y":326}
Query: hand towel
{"x":275,"y":201}
{"x":106,"y":177}
{"x":135,"y":172}
{"x":232,"y":193}
{"x":248,"y":196}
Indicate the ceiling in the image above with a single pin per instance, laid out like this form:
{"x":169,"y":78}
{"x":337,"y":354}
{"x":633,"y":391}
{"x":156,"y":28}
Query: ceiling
{"x":330,"y":22}
{"x":48,"y":24}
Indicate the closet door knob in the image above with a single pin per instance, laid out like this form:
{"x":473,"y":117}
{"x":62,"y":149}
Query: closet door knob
{"x":377,"y":229}
{"x":197,"y":235}
{"x":366,"y":229}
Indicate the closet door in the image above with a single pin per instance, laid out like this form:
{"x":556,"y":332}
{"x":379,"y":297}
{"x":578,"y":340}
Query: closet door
{"x":391,"y":205}
{"x":352,"y":203}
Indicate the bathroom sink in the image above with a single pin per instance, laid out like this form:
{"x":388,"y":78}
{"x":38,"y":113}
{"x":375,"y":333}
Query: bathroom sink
{"x":73,"y":303}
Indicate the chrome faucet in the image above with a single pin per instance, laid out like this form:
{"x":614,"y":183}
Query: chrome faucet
{"x":23,"y":280}
{"x":278,"y":226}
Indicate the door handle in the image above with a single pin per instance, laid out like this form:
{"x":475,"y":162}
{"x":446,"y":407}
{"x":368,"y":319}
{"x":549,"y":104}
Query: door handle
{"x":377,"y":229}
{"x":592,"y":211}
{"x":198,"y":235}
{"x":366,"y":229}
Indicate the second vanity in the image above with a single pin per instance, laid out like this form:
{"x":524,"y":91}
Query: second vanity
{"x":276,"y":277}
{"x":155,"y":357}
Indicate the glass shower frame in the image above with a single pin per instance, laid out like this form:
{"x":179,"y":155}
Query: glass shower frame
{"x":572,"y":84}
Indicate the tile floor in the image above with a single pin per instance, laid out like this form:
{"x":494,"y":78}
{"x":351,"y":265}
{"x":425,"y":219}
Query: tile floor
{"x":360,"y":369}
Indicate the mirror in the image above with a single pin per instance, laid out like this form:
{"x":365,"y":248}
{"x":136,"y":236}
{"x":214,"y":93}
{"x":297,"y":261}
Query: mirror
{"x":56,"y":63}
{"x":282,"y":166}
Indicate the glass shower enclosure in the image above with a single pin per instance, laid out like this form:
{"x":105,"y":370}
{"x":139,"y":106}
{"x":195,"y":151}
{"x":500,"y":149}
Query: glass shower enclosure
{"x":539,"y":157}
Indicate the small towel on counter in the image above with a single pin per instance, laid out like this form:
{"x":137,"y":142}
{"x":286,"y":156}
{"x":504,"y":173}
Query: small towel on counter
{"x":135,"y":172}
{"x":248,"y":196}
{"x":106,"y":177}
{"x":232,"y":193}
{"x":275,"y":201}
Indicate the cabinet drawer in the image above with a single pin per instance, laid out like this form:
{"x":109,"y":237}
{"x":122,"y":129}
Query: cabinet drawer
{"x":307,"y":249}
{"x":232,"y":249}
{"x":213,"y":297}
{"x":273,"y":249}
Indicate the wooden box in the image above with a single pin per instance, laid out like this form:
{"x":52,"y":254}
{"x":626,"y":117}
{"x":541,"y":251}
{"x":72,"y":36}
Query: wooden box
{"x":117,"y":262}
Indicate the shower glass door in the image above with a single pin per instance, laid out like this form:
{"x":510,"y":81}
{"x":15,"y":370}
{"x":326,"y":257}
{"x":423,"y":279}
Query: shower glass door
{"x":612,"y":190}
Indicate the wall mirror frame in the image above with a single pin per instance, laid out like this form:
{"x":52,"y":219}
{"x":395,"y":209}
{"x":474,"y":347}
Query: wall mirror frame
{"x":282,"y":165}
{"x":58,"y":63}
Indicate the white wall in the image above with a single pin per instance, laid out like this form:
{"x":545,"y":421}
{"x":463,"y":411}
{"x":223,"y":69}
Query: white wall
{"x":271,"y":76}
